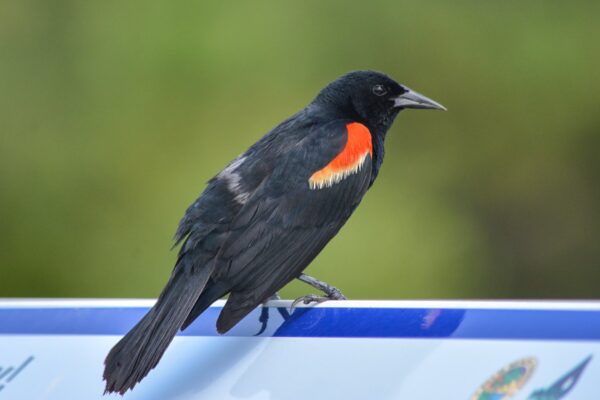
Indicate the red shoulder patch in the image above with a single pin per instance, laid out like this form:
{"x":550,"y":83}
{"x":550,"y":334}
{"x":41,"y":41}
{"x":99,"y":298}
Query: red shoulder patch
{"x":349,"y":161}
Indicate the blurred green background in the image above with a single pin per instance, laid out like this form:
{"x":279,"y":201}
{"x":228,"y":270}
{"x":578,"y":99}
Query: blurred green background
{"x":113,"y":115}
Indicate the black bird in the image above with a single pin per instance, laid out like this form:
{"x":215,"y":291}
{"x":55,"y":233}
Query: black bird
{"x":266,"y":216}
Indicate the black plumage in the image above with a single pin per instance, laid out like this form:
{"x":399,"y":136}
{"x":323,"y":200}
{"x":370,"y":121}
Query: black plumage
{"x":261,"y":220}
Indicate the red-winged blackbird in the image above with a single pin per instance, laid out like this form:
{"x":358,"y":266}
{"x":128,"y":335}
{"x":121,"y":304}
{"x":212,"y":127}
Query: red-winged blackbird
{"x":266,"y":216}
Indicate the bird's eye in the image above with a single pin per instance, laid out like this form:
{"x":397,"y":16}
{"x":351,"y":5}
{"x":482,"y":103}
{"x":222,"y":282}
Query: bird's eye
{"x":379,"y":90}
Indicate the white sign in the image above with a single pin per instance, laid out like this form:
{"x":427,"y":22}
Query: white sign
{"x":336,"y":350}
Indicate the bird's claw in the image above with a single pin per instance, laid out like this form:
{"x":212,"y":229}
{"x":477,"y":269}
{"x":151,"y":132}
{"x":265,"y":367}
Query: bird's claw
{"x":309,"y":298}
{"x":335,"y":294}
{"x":313,"y":298}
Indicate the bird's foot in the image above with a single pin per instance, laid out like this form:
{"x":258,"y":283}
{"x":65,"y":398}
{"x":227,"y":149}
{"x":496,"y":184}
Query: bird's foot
{"x":309,"y":298}
{"x":332,"y":292}
{"x":335,"y":294}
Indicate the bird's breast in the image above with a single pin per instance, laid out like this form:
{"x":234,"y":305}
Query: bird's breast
{"x":349,"y":161}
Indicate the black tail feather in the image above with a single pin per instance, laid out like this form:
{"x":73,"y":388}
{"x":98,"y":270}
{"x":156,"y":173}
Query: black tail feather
{"x":212,"y":292}
{"x":239,"y":304}
{"x":138,"y":352}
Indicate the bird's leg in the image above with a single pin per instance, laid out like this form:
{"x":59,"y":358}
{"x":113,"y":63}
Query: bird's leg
{"x":332,"y":293}
{"x":264,"y":314}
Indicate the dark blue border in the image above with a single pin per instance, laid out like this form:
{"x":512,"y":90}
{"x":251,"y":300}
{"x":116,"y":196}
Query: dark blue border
{"x":341,"y":322}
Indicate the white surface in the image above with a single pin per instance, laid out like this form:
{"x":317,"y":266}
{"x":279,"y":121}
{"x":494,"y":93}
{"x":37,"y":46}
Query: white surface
{"x":468,"y":304}
{"x":70,"y":368}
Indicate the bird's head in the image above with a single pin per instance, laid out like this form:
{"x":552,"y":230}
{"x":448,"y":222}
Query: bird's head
{"x":372,"y":98}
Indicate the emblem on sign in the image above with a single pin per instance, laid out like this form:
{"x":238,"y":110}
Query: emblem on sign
{"x":507,"y":382}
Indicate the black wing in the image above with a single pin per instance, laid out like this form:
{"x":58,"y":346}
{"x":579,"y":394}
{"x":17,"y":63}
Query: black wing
{"x":285,"y":223}
{"x":255,"y":227}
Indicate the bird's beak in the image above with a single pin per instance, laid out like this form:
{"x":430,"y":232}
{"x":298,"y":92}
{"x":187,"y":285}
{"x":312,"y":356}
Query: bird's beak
{"x":412,"y":99}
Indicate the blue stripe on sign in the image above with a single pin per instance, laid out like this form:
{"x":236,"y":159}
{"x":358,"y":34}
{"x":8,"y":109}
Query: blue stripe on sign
{"x":325,"y":322}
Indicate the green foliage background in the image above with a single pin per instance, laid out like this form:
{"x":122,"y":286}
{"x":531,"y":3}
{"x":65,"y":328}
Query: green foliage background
{"x":114,"y":114}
